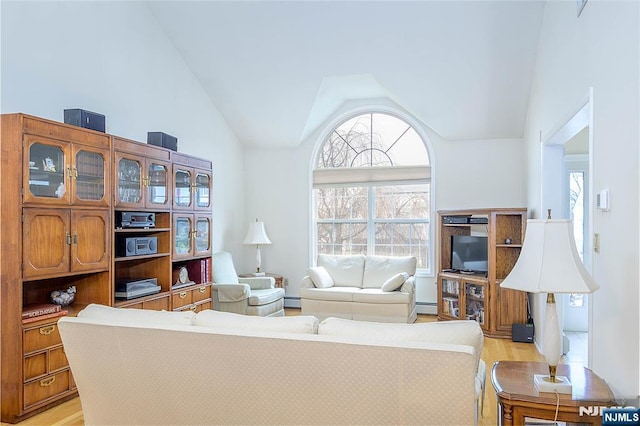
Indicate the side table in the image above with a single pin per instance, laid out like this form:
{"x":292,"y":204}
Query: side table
{"x":277,"y":277}
{"x":518,"y":396}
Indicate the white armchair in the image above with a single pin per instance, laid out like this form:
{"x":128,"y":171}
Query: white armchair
{"x":248,"y":296}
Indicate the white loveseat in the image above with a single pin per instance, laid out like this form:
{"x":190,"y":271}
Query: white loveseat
{"x":150,"y":367}
{"x":368,"y":288}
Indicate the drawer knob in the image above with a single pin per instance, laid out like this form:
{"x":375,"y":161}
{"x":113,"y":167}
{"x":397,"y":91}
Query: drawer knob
{"x":202,"y":289}
{"x":45,"y":331}
{"x":48,"y":381}
{"x":183,"y":294}
{"x":192,"y":307}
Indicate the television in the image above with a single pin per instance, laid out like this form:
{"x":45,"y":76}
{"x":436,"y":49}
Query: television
{"x":469,"y":253}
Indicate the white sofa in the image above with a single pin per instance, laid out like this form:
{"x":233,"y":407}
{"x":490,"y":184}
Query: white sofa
{"x":355,"y":288}
{"x":150,"y":367}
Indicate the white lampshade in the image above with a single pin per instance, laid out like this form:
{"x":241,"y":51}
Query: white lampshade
{"x":256,"y":234}
{"x":549,"y":261}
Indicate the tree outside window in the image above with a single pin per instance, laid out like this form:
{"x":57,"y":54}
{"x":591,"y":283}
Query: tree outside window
{"x":372,"y":189}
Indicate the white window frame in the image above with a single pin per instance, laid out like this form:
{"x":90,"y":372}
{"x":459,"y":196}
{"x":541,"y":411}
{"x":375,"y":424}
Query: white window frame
{"x":322,"y":137}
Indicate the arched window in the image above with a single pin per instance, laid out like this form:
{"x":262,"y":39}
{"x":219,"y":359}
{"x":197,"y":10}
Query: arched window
{"x":372,"y":189}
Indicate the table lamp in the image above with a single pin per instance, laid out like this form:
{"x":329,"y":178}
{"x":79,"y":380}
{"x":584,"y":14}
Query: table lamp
{"x":549,"y":263}
{"x":257,"y":236}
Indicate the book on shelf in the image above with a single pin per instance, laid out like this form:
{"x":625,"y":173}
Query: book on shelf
{"x":200,"y":270}
{"x":57,"y":314}
{"x":39,"y":309}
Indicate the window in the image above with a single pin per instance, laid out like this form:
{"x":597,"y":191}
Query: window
{"x":372,"y":189}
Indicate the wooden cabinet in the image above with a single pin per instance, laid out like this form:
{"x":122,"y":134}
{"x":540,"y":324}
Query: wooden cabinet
{"x":62,"y":189}
{"x":193,"y":181}
{"x":194,"y":298}
{"x":142,"y":176}
{"x":46,"y":369}
{"x":56,"y":232}
{"x":57,"y":241}
{"x":477,"y":296}
{"x":63,"y":172}
{"x":191,"y":235}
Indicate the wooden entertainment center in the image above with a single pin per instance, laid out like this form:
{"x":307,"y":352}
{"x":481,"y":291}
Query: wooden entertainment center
{"x":64,"y":191}
{"x":478,"y":296}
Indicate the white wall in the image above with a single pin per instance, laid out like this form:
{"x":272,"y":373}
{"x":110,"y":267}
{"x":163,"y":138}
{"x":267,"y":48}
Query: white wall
{"x":468,"y":174}
{"x":112,"y":58}
{"x":600,"y":49}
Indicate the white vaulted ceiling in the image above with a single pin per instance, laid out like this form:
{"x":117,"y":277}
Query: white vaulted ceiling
{"x":276,"y":70}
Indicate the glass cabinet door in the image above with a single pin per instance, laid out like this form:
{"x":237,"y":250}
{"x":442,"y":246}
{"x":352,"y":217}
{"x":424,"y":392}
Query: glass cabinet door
{"x":450,"y":297}
{"x":182,"y":230}
{"x":157,"y":185}
{"x":202,"y":235}
{"x":89,"y":176}
{"x":474,"y":302}
{"x":182,"y":188}
{"x":202,"y":190}
{"x":129,"y":182}
{"x":48,"y":168}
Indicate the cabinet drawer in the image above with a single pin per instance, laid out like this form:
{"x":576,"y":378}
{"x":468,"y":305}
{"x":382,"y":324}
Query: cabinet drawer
{"x":41,"y":337}
{"x":45,"y":388}
{"x":43,"y":363}
{"x":195,"y":307}
{"x":201,"y":293}
{"x":204,"y":305}
{"x":182,"y":298}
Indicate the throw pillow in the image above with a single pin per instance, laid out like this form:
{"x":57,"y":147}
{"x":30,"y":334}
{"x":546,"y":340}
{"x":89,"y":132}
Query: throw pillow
{"x":395,"y":282}
{"x":320,"y":277}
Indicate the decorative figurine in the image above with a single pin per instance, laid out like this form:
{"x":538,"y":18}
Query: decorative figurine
{"x":63,"y":297}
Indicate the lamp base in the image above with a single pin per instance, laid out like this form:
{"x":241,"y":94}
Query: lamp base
{"x":257,"y":274}
{"x":543,"y":384}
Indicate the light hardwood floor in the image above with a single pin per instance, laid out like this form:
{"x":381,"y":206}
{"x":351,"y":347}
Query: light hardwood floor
{"x":70,"y":412}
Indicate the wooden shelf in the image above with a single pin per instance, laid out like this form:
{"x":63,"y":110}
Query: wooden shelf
{"x":498,"y":308}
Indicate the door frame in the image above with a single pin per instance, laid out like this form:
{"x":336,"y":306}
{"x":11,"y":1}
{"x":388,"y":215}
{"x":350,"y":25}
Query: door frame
{"x":553,"y":171}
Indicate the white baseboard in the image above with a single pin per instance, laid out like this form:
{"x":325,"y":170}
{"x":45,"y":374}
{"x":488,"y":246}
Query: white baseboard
{"x":292,"y":302}
{"x":427,"y":308}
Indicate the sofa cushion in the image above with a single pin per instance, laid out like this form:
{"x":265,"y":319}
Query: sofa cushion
{"x":395,"y":282}
{"x":320,"y":277}
{"x":265,"y":296}
{"x":136,"y":316}
{"x":462,"y":332}
{"x":223,"y":270}
{"x":336,"y":294}
{"x":376,"y":295}
{"x":304,"y":324}
{"x":378,"y":269}
{"x":346,"y":270}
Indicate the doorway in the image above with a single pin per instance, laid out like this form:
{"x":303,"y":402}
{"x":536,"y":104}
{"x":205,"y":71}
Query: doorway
{"x":566,"y":190}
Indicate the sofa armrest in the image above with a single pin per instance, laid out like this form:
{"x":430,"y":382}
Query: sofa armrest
{"x":409,"y":285}
{"x":259,"y":283}
{"x":232,"y":292}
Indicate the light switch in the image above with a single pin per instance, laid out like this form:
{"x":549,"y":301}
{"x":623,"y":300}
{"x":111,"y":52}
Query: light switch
{"x":596,"y":243}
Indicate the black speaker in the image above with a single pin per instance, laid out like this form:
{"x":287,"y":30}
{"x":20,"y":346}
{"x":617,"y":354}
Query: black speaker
{"x":86,"y":119}
{"x":522,"y":332}
{"x":162,"y":139}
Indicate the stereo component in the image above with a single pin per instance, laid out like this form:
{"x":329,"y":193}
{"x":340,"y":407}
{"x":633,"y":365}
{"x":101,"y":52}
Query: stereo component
{"x":455,"y":219}
{"x":162,"y":139}
{"x":135,"y":219}
{"x":84,"y":118}
{"x":130,"y":289}
{"x":134,"y":246}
